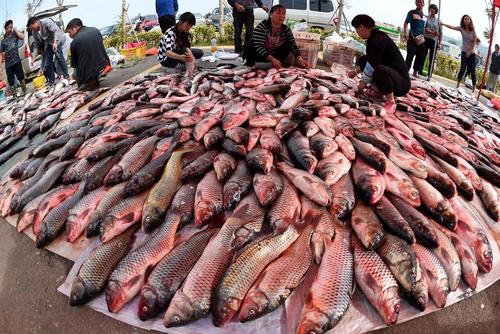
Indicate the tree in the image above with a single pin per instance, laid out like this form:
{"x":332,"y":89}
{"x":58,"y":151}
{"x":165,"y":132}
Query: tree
{"x":32,"y":6}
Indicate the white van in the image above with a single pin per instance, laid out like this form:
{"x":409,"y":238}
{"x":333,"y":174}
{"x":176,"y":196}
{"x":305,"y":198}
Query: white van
{"x":318,"y":13}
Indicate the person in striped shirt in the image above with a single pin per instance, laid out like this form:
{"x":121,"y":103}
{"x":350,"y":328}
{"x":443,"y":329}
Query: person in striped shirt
{"x":273,"y":42}
{"x":175,"y":45}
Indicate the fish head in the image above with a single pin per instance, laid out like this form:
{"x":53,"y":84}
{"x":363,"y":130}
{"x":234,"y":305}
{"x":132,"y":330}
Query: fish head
{"x":372,"y":191}
{"x":114,"y":176}
{"x":78,"y":294}
{"x":149,"y":303}
{"x":314,"y":322}
{"x":43,"y":237}
{"x":254,"y":305}
{"x":225,"y":310}
{"x":106,"y":227}
{"x":410,"y":192}
{"x":116,"y":296}
{"x":203,"y":212}
{"x":180,"y":311}
{"x":151,"y":218}
{"x":339,"y":208}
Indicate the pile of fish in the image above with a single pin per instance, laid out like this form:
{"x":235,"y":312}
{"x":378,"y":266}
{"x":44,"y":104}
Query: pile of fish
{"x":276,"y":170}
{"x":36,"y":113}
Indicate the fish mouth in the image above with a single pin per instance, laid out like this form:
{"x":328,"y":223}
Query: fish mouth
{"x":78,"y":295}
{"x":114,"y":176}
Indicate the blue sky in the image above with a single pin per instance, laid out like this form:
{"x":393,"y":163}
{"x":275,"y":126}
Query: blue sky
{"x":101,"y":13}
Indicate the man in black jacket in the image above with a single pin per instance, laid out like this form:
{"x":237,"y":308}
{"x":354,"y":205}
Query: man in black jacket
{"x":88,"y":56}
{"x":383,"y":67}
{"x":243,"y":14}
{"x":494,"y":70}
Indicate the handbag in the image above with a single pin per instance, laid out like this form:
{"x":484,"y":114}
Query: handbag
{"x":420,"y":39}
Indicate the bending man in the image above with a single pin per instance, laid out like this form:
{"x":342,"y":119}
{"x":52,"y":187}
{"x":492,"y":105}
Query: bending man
{"x":383,"y":66}
{"x":88,"y":56}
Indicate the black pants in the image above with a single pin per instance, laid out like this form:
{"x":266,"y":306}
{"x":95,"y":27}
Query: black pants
{"x":429,"y":50}
{"x":468,"y":64}
{"x":417,"y":51}
{"x":166,"y":22}
{"x":386,"y":79}
{"x":170,"y":62}
{"x":17,"y":70}
{"x":280,"y":53}
{"x":239,"y":19}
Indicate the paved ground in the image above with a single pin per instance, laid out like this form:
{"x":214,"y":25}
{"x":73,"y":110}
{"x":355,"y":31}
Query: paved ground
{"x":29,"y":302}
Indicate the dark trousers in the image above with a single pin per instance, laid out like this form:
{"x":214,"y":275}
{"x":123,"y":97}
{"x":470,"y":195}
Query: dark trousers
{"x":386,"y":79}
{"x":281,"y":53}
{"x":166,"y":22}
{"x":52,"y":56}
{"x":415,"y":51}
{"x":239,"y":19}
{"x":429,"y":50}
{"x":468,"y":64}
{"x":14,"y":70}
{"x":170,"y":62}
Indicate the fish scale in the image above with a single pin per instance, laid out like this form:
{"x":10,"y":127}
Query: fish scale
{"x":125,"y":213}
{"x":112,"y":196}
{"x":193,"y":300}
{"x":126,"y":280}
{"x":377,"y":282}
{"x":78,"y":217}
{"x":98,"y":266}
{"x":163,"y":191}
{"x":132,"y":161}
{"x":434,"y":273}
{"x":55,"y":221}
{"x":330,"y":293}
{"x":244,"y":270}
{"x":169,"y":274}
{"x":279,"y":279}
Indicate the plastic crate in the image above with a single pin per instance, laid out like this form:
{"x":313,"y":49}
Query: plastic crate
{"x":135,"y":52}
{"x":336,"y":53}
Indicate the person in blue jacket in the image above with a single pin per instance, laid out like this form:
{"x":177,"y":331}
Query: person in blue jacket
{"x":166,"y":11}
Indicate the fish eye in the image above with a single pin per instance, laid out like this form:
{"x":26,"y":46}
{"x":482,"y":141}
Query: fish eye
{"x":251,"y":311}
{"x":177,"y":318}
{"x":144,"y":309}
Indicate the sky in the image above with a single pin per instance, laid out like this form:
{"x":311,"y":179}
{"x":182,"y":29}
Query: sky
{"x":100,"y":13}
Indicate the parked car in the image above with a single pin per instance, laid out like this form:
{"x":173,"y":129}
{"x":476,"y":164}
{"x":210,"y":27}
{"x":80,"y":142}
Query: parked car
{"x":213,"y":19}
{"x":450,"y":50}
{"x":318,"y":13}
{"x":108,"y":30}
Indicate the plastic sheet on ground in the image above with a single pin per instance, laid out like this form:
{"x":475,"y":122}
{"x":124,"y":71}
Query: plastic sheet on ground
{"x":361,"y":316}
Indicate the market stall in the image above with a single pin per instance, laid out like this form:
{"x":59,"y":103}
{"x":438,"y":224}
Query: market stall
{"x":188,"y":203}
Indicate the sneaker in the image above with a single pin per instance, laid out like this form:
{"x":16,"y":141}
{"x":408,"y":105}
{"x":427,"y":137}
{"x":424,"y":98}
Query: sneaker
{"x":64,"y":81}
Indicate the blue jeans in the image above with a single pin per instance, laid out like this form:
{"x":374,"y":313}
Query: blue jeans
{"x":49,"y":62}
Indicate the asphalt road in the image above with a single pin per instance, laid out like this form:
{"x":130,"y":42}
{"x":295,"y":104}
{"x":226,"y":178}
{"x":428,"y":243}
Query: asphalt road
{"x":29,"y":302}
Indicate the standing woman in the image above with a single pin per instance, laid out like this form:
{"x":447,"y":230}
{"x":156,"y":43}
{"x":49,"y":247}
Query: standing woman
{"x":468,"y":59}
{"x":415,"y":40}
{"x":432,"y":34}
